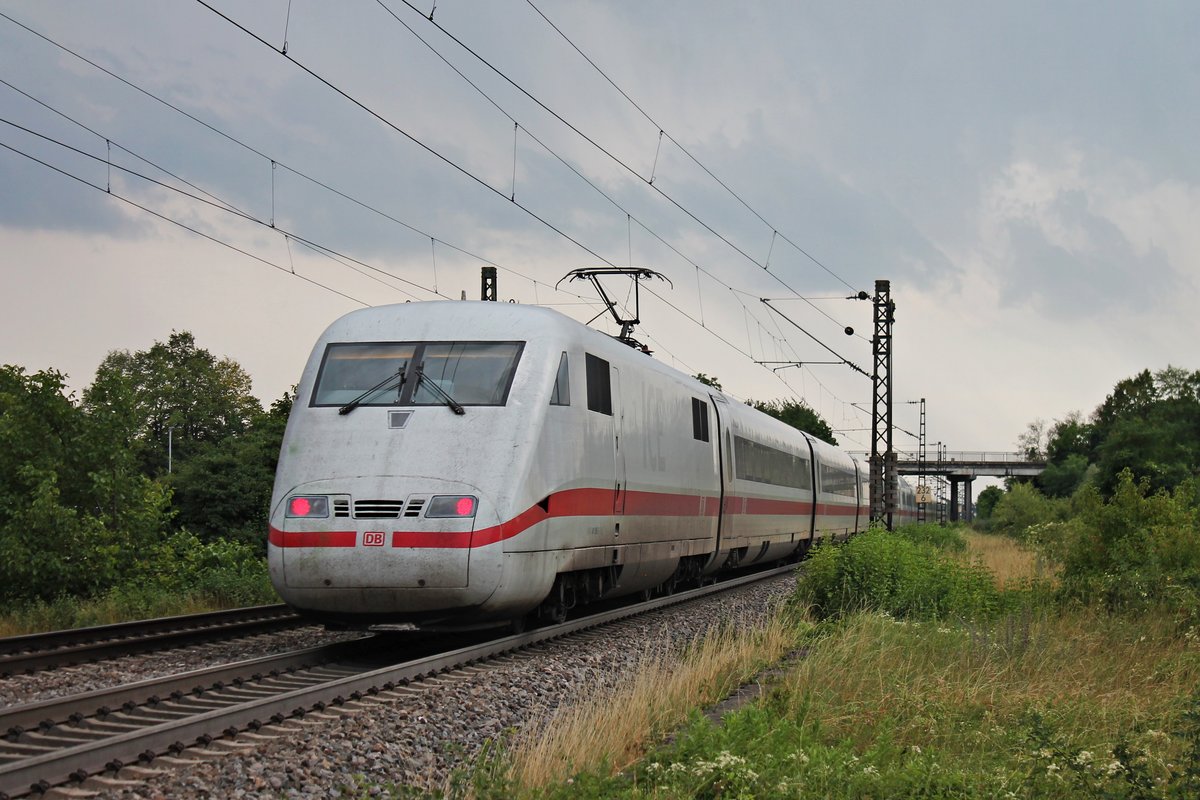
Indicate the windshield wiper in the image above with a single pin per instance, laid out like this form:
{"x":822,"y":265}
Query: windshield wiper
{"x":379,"y":387}
{"x":440,"y":392}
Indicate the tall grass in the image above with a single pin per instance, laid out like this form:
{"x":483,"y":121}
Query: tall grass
{"x":614,"y":727}
{"x":1083,"y":704}
{"x":942,"y":663}
{"x":1010,"y":562}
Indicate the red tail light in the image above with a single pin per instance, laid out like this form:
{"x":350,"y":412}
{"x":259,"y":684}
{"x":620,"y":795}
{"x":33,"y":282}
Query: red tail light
{"x":451,"y":506}
{"x":308,"y":507}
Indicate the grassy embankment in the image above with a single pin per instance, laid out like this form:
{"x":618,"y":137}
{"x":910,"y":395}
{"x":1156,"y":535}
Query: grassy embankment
{"x":935,"y":663}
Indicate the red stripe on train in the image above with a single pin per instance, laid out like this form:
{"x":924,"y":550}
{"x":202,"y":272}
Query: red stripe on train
{"x":571,"y":503}
{"x":312,"y":538}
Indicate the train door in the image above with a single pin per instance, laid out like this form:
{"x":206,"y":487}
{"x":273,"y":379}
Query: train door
{"x":603,"y":450}
{"x":618,"y":448}
{"x":724,"y":462}
{"x":813,"y":467}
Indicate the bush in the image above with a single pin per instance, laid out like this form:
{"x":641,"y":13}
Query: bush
{"x":942,"y":537}
{"x":1022,"y":507}
{"x":892,"y":573}
{"x":1136,"y":550}
{"x":225,"y":572}
{"x":180,"y":575}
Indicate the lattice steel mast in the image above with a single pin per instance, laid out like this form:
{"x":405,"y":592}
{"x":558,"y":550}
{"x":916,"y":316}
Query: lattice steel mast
{"x":883,"y":457}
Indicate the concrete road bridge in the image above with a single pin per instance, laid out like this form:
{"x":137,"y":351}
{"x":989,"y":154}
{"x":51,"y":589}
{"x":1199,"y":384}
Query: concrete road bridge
{"x":961,"y":468}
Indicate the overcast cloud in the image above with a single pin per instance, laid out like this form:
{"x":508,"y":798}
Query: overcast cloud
{"x":1025,"y":173}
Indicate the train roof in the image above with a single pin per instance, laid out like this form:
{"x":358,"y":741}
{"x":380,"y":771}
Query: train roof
{"x":468,"y":320}
{"x":476,"y":320}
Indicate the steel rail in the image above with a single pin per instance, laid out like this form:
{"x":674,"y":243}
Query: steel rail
{"x":77,"y":762}
{"x":57,"y":648}
{"x":62,"y":710}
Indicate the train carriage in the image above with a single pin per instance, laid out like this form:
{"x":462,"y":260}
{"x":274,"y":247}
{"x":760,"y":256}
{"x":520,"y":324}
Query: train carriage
{"x":456,"y":463}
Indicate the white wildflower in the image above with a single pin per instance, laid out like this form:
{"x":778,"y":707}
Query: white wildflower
{"x":1113,"y":768}
{"x":1084,"y":758}
{"x":870,"y":769}
{"x":915,"y":749}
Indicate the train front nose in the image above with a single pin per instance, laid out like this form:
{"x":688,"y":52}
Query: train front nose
{"x":378,"y":547}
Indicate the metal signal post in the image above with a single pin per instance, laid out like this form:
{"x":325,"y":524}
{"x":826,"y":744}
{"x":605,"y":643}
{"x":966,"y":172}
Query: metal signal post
{"x":883,"y":457}
{"x":922,"y":477}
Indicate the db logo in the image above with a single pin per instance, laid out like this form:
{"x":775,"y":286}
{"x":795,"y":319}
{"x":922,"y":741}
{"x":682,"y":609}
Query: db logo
{"x":373,"y":539}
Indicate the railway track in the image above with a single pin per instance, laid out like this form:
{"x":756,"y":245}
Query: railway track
{"x":60,"y":648}
{"x":69,"y":740}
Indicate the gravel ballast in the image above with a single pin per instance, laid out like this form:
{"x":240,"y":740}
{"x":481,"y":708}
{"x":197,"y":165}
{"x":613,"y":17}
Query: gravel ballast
{"x":420,"y":734}
{"x":79,"y":678}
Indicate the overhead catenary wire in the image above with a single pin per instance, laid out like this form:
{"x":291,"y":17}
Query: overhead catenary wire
{"x":600,"y":148}
{"x":240,"y":143}
{"x":445,"y":159}
{"x":176,"y":222}
{"x":662,"y":132}
{"x":381,"y":118}
{"x":575,"y":129}
{"x":629,"y":217}
{"x":300,"y":239}
{"x":218,"y":205}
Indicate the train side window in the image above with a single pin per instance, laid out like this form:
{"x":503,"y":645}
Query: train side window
{"x":561,"y":396}
{"x":699,"y":420}
{"x":599,"y":385}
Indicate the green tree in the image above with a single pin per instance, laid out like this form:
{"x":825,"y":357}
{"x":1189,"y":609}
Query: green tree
{"x":1152,"y":449}
{"x":708,"y":380}
{"x":988,"y":498}
{"x":1131,"y":397}
{"x":175,"y":395}
{"x":1149,"y":424}
{"x":1068,"y":437}
{"x":799,"y":415}
{"x":225,"y":490}
{"x":73,"y":517}
{"x":1062,"y":479}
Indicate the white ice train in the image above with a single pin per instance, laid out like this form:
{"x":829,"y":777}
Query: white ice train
{"x":460,"y":463}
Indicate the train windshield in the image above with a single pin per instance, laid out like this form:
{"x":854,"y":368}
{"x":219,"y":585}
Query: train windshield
{"x":472,"y":373}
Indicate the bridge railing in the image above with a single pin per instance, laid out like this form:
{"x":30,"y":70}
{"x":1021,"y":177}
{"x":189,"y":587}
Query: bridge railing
{"x":968,"y":456}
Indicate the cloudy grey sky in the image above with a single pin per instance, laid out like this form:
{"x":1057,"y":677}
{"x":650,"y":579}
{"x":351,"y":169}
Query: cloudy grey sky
{"x":1024,"y":173}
